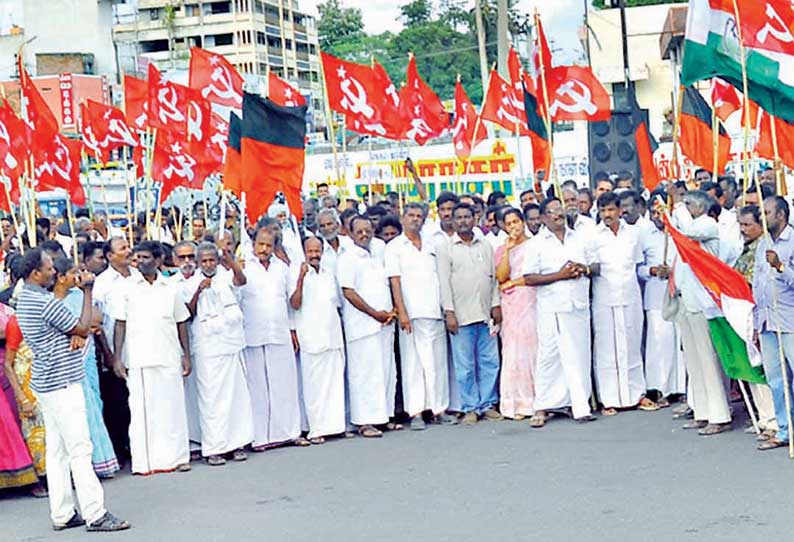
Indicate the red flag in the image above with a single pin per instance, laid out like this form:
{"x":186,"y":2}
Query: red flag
{"x":355,"y":91}
{"x":463,"y":127}
{"x":516,"y":79}
{"x":14,"y":143}
{"x":724,"y":99}
{"x":391,"y":119}
{"x":576,"y":94}
{"x":766,"y":25}
{"x":282,"y":93}
{"x":500,"y":108}
{"x":696,"y":138}
{"x":424,"y":113}
{"x":218,"y":140}
{"x":136,"y":101}
{"x":178,"y":108}
{"x":541,"y":53}
{"x":785,"y":140}
{"x":272,"y":146}
{"x":104,"y":128}
{"x":177,"y":163}
{"x":216,"y":79}
{"x":233,"y":162}
{"x":35,"y":111}
{"x":57,"y":164}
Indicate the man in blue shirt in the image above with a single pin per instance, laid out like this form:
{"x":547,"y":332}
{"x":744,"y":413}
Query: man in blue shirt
{"x":56,"y":378}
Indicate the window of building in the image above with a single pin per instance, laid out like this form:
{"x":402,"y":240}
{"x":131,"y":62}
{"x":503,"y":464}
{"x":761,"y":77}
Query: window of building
{"x":221,"y":7}
{"x":224,"y":39}
{"x":154,"y":46}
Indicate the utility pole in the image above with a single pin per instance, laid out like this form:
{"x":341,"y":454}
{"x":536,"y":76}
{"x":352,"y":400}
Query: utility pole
{"x":501,"y":35}
{"x":481,"y":45}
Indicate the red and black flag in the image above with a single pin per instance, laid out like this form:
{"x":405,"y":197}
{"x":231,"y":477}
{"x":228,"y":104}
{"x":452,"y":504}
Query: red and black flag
{"x":231,"y":167}
{"x":272,"y":145}
{"x":696,"y":137}
{"x":646,"y":145}
{"x":538,"y":135}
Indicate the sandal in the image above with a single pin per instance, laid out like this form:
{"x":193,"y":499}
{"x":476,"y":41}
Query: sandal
{"x":663,"y":402}
{"x":765,"y":435}
{"x":695,"y":424}
{"x":369,"y":431}
{"x":538,"y":419}
{"x":714,"y":429}
{"x":39,"y":492}
{"x":608,"y":411}
{"x":394,"y":426}
{"x":771,"y":444}
{"x":646,"y":405}
{"x":184,"y":467}
{"x":259,"y":449}
{"x":239,"y":455}
{"x":317,"y":440}
{"x":302,"y":442}
{"x":585,"y":419}
{"x":215,"y":461}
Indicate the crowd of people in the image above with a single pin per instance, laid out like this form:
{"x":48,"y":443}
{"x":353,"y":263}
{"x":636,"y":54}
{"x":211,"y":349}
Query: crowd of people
{"x":200,"y":341}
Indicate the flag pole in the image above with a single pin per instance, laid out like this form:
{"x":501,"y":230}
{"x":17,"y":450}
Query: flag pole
{"x":676,"y":168}
{"x":547,"y":115}
{"x":743,"y":388}
{"x":14,"y":217}
{"x":778,"y":331}
{"x":715,"y":140}
{"x":329,"y":120}
{"x":780,"y":177}
{"x":32,"y":201}
{"x":477,"y":124}
{"x":70,"y":219}
{"x":745,"y":103}
{"x":128,"y":197}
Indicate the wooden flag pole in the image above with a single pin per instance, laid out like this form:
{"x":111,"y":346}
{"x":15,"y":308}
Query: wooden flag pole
{"x":547,"y":117}
{"x":130,"y":218}
{"x":749,"y":406}
{"x":14,"y":218}
{"x":676,"y":168}
{"x":778,"y":331}
{"x":151,"y":137}
{"x":32,"y":202}
{"x":70,"y":219}
{"x":745,"y":103}
{"x":222,"y":218}
{"x":715,"y":140}
{"x":780,"y":176}
{"x":330,"y":122}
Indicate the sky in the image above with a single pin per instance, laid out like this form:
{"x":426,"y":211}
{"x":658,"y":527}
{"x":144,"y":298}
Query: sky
{"x":561,"y":18}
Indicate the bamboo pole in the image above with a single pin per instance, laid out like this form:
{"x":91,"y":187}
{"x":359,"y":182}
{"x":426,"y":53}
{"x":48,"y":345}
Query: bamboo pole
{"x":675,"y":166}
{"x":745,"y":103}
{"x":330,"y":122}
{"x":547,"y":117}
{"x":70,"y":219}
{"x":749,"y":406}
{"x":715,"y":140}
{"x":780,"y":175}
{"x":14,"y":218}
{"x":128,"y":197}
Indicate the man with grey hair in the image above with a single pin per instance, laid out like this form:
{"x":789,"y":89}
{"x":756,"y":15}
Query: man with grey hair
{"x":706,"y":391}
{"x":217,"y":342}
{"x":333,"y":243}
{"x":329,"y":202}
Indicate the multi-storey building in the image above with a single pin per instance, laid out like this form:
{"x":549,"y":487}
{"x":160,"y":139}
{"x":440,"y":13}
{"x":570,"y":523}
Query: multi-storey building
{"x":254,"y":35}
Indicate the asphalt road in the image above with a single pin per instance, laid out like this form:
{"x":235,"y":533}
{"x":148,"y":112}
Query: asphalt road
{"x":636,"y":476}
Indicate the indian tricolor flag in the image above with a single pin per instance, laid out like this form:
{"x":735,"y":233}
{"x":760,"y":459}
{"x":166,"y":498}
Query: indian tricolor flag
{"x":731,"y":327}
{"x":712,"y":49}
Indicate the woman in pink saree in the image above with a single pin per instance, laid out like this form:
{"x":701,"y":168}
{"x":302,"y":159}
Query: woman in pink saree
{"x":519,"y":331}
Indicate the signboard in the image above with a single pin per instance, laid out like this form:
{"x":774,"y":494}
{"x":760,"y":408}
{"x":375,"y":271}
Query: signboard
{"x":66,"y":89}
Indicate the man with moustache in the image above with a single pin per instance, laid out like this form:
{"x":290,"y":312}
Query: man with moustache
{"x":532,"y":218}
{"x":271,"y":368}
{"x":368,"y":315}
{"x":316,"y":302}
{"x":333,"y":242}
{"x":151,"y":329}
{"x":218,"y":339}
{"x":559,"y":267}
{"x":576,"y":221}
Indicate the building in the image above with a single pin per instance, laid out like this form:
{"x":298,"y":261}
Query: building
{"x":255,"y":36}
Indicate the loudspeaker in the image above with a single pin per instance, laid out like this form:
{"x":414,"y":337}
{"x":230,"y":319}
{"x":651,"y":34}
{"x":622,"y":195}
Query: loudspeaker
{"x":613,"y":146}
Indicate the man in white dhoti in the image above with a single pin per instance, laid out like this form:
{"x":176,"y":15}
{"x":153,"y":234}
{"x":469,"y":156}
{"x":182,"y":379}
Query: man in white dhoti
{"x":185,"y":258}
{"x":151,"y":327}
{"x":218,"y":340}
{"x":664,"y":365}
{"x":369,"y":333}
{"x":271,"y":368}
{"x":413,"y":275}
{"x":316,"y":304}
{"x":617,"y":311}
{"x":558,"y":266}
{"x":707,"y":395}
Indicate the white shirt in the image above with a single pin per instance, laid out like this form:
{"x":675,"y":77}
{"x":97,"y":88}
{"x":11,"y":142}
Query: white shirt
{"x":107,"y":285}
{"x":217,"y":327}
{"x":586,"y":226}
{"x":418,"y":272}
{"x":496,"y":240}
{"x":317,"y":322}
{"x":731,"y":241}
{"x":152,"y":312}
{"x":264,"y":301}
{"x":293,"y":246}
{"x":547,"y":255}
{"x":330,"y":256}
{"x":364,"y":272}
{"x":704,"y":230}
{"x":652,"y":240}
{"x":616,"y":285}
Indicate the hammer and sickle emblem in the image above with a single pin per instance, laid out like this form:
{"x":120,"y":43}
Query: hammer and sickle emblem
{"x":167,"y":98}
{"x":181,"y":165}
{"x":419,"y":129}
{"x":194,"y":120}
{"x":118,"y":132}
{"x":224,"y":89}
{"x":10,"y":161}
{"x":776,"y":27}
{"x":355,"y":99}
{"x":582,"y":99}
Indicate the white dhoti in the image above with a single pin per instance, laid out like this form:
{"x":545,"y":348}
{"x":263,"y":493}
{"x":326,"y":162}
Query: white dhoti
{"x":224,"y":404}
{"x":620,"y":380}
{"x":423,"y":360}
{"x":372,"y":377}
{"x":706,"y":394}
{"x":272,"y":376}
{"x":323,"y":378}
{"x":192,"y":408}
{"x":664,"y":366}
{"x":762,"y":397}
{"x":562,"y":376}
{"x":158,"y":419}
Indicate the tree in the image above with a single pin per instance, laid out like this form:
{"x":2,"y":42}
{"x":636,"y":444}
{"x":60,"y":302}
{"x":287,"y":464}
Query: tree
{"x":338,"y":25}
{"x":416,"y":13}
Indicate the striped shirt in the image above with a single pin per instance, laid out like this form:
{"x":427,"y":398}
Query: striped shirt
{"x":45,"y":323}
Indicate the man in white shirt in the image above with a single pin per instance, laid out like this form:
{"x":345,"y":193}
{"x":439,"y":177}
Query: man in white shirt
{"x":334,"y":243}
{"x":369,"y":333}
{"x":218,"y":340}
{"x":413,"y":275}
{"x":664,"y":362}
{"x":316,"y":304}
{"x":707,"y":396}
{"x":271,"y":368}
{"x":576,"y":220}
{"x":559,"y":268}
{"x":617,"y":311}
{"x":151,"y":327}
